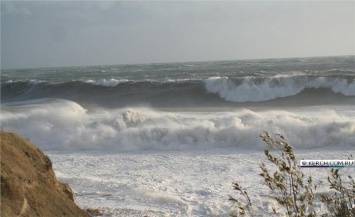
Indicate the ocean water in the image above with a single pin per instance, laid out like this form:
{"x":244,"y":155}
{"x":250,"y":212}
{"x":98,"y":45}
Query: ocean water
{"x":169,"y":139}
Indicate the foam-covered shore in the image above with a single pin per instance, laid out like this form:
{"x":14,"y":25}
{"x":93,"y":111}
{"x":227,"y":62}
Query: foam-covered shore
{"x":176,"y":183}
{"x":159,"y":183}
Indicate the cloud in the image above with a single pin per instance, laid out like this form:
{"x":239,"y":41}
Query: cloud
{"x":59,"y":33}
{"x":8,"y":8}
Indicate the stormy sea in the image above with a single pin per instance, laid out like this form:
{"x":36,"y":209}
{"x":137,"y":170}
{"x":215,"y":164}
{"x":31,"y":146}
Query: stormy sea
{"x":169,"y":139}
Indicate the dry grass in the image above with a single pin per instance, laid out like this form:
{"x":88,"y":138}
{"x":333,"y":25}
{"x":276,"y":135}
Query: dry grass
{"x":292,"y":190}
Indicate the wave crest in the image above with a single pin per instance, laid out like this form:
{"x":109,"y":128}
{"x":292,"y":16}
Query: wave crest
{"x":107,"y":82}
{"x":128,"y":129}
{"x":251,"y":89}
{"x":121,"y":92}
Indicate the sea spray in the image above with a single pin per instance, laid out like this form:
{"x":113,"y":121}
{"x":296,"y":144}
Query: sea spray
{"x":251,"y":89}
{"x":65,"y":125}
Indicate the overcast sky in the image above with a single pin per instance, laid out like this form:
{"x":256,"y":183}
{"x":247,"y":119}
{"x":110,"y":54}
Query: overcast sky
{"x":54,"y":33}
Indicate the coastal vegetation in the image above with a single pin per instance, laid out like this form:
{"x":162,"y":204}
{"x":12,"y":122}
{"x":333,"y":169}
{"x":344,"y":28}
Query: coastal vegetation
{"x":294,"y":192}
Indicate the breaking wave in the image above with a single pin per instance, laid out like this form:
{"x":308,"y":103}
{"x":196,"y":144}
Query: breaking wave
{"x":46,"y":123}
{"x":258,"y":90}
{"x":107,"y":82}
{"x":213,"y":90}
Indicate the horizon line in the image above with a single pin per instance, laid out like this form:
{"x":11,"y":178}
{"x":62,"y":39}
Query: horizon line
{"x":174,"y":62}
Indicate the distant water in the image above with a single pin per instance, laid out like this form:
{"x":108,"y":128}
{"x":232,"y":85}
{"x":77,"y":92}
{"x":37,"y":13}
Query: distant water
{"x":183,"y":105}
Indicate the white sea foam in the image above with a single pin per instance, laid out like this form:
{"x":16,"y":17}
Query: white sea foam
{"x":65,"y":125}
{"x":181,"y":80}
{"x":31,"y":81}
{"x":186,"y":183}
{"x":107,"y":82}
{"x":35,"y":81}
{"x":249,"y":89}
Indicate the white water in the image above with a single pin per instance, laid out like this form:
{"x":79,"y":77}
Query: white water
{"x":107,"y":82}
{"x":141,"y":161}
{"x":249,"y":90}
{"x":180,"y":183}
{"x":65,"y":125}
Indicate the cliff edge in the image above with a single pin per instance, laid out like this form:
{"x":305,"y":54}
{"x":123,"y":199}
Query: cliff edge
{"x":28,"y":183}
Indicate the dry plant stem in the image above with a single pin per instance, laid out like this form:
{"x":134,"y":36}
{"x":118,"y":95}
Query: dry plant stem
{"x":242,"y":207}
{"x":342,"y":202}
{"x":293,"y":191}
